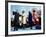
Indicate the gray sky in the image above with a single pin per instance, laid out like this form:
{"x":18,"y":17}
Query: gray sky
{"x":20,"y":8}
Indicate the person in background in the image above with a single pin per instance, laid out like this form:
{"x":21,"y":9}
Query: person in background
{"x":36,"y":18}
{"x":30,"y":20}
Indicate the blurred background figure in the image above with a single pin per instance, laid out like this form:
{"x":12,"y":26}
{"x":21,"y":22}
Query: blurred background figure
{"x":15,"y":22}
{"x":36,"y":19}
{"x":30,"y":20}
